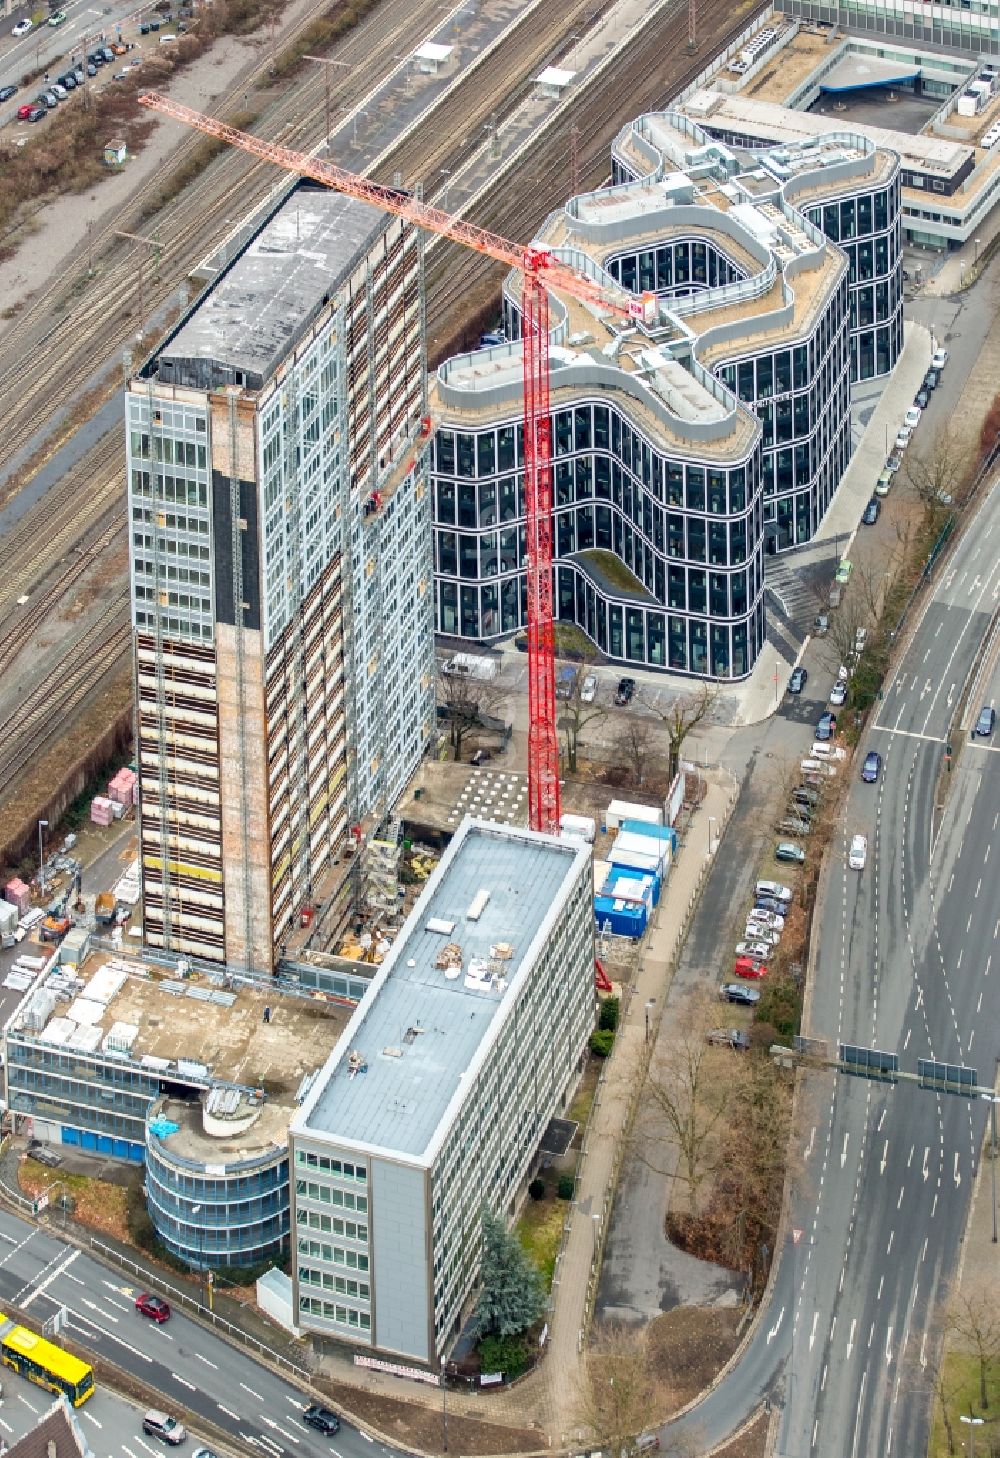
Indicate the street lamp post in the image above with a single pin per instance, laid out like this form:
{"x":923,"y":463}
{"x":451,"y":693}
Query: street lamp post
{"x":711,"y":822}
{"x":41,"y":856}
{"x":650,"y":1004}
{"x":977,"y":249}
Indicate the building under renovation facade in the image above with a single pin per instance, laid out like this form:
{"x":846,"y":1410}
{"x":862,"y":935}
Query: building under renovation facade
{"x":686,"y":449}
{"x":281,"y":573}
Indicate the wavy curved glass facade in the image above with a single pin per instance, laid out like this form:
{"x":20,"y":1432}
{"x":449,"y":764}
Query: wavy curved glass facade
{"x":226,"y":1211}
{"x":685,"y":447}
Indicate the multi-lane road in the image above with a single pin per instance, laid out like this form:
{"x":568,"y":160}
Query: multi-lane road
{"x":908,"y":961}
{"x":196,"y":1374}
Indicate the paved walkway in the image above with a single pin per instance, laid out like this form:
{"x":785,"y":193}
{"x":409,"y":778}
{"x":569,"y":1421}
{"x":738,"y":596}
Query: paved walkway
{"x":548,"y":1397}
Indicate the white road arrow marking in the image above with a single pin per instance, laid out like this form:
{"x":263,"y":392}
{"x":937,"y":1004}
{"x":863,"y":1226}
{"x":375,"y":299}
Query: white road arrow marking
{"x":927,"y":1154}
{"x":774,"y":1330}
{"x":958,"y":1177}
{"x":843,"y":1152}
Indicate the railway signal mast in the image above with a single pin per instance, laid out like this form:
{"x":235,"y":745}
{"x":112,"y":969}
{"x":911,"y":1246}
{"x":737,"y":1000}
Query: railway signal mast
{"x":541,"y":271}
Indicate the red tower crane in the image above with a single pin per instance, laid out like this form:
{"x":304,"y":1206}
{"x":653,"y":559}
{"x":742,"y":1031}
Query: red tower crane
{"x":541,"y":272}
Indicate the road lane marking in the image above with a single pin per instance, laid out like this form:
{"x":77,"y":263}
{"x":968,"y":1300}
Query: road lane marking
{"x":889,"y":1246}
{"x":812,"y":1334}
{"x":40,"y":1289}
{"x":926,"y":1171}
{"x":857,"y":1420}
{"x":902,"y":1191}
{"x":183,"y":1381}
{"x":206,"y":1361}
{"x":958,"y":1177}
{"x":885,"y":1158}
{"x":843,"y":1152}
{"x":251,"y":1392}
{"x":774,"y":1330}
{"x":888,"y":1347}
{"x":850,"y":1339}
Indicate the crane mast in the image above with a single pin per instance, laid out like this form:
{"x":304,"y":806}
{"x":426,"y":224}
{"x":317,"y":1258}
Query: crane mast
{"x":542,"y":271}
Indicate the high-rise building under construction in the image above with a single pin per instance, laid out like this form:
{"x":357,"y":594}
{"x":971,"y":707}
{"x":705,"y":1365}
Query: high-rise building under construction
{"x":281,"y":573}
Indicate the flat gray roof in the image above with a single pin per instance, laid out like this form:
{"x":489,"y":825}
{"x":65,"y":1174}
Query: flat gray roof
{"x":250,"y":318}
{"x":420,"y":1032}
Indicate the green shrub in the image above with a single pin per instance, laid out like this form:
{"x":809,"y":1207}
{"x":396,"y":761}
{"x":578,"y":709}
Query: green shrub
{"x":601,"y":1042}
{"x":610,"y":1011}
{"x":508,"y":1355}
{"x":565,"y":1187}
{"x":536,"y":1190}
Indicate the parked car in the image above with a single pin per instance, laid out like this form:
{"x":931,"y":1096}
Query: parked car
{"x":931,"y":380}
{"x":588,"y":689}
{"x":870,"y":514}
{"x":860,"y":639}
{"x":50,"y":98}
{"x":771,"y":905}
{"x":893,"y":461}
{"x":766,"y":917}
{"x":872,"y":767}
{"x":844,"y":570}
{"x":625,"y":692}
{"x":6,"y":92}
{"x":108,"y":54}
{"x":912,"y":417}
{"x":827,"y":727}
{"x":739,"y":992}
{"x":986,"y":721}
{"x":22,"y":111}
{"x":804,"y":795}
{"x":119,"y":49}
{"x":68,"y":80}
{"x":797,"y":682}
{"x":903,"y":436}
{"x":753,"y":948}
{"x":322,"y":1419}
{"x":21,"y":28}
{"x":759,"y":931}
{"x":921,"y":398}
{"x":789,"y":850}
{"x":58,"y":17}
{"x":775,"y":889}
{"x":838,"y":694}
{"x":152,"y":1306}
{"x":60,"y":91}
{"x":79,"y":76}
{"x":751,"y":967}
{"x":858,"y":853}
{"x":884,"y":483}
{"x":37,"y":113}
{"x":939,"y":359}
{"x":161,"y":1425}
{"x":821,"y":625}
{"x":722,"y":1038}
{"x":794,"y":825}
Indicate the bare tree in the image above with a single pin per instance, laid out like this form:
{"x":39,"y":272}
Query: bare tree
{"x":974,"y":1319}
{"x":615,"y":1390}
{"x":687,"y":1100}
{"x":638,"y":748}
{"x":468,"y":703}
{"x":576,"y":712}
{"x":682,"y":715}
{"x":938,"y":472}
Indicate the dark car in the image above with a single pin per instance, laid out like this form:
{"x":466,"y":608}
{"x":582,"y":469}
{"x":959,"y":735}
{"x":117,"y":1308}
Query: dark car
{"x":827,"y":726}
{"x":921,"y":398}
{"x":96,"y":58}
{"x":985,"y":722}
{"x":872,"y":767}
{"x":37,"y":113}
{"x":625,"y":692}
{"x":68,"y":80}
{"x":6,"y":92}
{"x":738,"y":992}
{"x":931,"y":380}
{"x":108,"y":54}
{"x":804,"y":795}
{"x":870,"y":514}
{"x":322,"y":1419}
{"x":91,"y":69}
{"x":797,"y":682}
{"x":152,"y":1306}
{"x":771,"y":903}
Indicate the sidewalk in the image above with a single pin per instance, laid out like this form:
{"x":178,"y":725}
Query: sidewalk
{"x":548,"y":1397}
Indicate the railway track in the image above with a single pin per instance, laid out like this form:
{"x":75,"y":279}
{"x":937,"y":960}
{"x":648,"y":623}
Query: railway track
{"x":654,"y":67}
{"x":47,"y":706}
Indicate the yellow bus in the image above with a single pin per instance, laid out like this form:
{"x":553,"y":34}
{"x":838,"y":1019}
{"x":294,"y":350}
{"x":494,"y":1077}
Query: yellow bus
{"x":44,"y":1363}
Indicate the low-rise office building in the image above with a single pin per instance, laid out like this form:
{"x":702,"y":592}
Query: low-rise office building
{"x":432,"y":1105}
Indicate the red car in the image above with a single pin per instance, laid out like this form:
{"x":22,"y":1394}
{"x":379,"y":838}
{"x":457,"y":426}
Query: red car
{"x":749,"y":967}
{"x":152,"y":1306}
{"x":23,"y":112}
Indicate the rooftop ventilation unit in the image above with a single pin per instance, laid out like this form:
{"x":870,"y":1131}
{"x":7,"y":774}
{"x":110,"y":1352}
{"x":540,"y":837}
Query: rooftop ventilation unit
{"x":479,"y":904}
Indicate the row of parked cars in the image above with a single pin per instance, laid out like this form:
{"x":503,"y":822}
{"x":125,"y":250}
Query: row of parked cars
{"x":764,"y":925}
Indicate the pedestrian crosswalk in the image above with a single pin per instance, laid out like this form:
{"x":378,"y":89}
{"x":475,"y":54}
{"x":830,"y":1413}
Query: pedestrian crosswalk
{"x":795,"y":589}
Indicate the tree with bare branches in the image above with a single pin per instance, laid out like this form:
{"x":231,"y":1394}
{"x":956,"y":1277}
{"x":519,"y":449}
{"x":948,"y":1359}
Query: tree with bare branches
{"x":973,"y":1319}
{"x":576,"y":712}
{"x":682,"y":715}
{"x":687,"y":1100}
{"x":637,"y":747}
{"x":467,"y":704}
{"x":615,"y":1390}
{"x":937,"y":469}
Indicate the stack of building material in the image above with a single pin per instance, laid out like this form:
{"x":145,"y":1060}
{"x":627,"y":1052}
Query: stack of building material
{"x":17,"y":893}
{"x":100,"y":810}
{"x":121,"y":789}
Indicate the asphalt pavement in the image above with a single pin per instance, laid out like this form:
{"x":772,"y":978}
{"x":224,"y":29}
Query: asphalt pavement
{"x":198,"y":1375}
{"x":903,"y":963}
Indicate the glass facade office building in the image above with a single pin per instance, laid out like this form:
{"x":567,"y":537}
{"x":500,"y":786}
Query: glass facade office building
{"x":662,"y":523}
